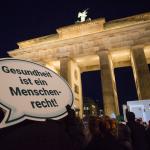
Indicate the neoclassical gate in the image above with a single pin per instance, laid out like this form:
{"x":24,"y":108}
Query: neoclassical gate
{"x":94,"y":45}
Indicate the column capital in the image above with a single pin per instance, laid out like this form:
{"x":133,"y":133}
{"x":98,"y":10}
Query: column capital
{"x":141,"y":46}
{"x":64,"y":58}
{"x":99,"y":52}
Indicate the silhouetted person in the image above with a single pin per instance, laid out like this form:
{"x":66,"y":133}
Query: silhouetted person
{"x":104,"y":138}
{"x":124,"y":137}
{"x":38,"y":135}
{"x":138,"y":135}
{"x":93,"y":126}
{"x":74,"y":128}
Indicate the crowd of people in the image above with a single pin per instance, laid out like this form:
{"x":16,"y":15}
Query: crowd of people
{"x":108,"y":133}
{"x":70,"y":133}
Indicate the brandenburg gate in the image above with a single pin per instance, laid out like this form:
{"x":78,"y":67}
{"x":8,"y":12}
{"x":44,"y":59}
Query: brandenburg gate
{"x":95,"y":45}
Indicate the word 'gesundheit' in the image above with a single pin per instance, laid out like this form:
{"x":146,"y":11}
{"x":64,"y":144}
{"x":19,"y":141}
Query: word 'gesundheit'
{"x":25,"y":72}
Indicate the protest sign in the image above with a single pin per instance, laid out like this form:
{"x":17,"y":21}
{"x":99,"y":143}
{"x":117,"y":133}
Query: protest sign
{"x":31,"y":91}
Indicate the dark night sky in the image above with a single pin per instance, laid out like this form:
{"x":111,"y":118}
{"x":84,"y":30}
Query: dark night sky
{"x":22,"y":20}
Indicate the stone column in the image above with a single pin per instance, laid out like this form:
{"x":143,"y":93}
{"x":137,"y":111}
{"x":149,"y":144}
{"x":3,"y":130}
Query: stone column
{"x":70,"y":71}
{"x":65,"y":68}
{"x":141,"y":72}
{"x":110,"y":99}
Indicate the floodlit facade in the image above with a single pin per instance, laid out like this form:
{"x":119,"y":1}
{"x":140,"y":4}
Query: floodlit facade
{"x":95,"y":45}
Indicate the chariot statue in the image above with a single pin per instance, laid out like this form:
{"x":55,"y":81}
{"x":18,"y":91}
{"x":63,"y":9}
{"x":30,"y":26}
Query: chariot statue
{"x":82,"y":15}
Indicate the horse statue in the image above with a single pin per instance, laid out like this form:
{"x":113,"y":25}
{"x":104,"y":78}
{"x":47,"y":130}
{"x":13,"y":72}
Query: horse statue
{"x":82,"y":15}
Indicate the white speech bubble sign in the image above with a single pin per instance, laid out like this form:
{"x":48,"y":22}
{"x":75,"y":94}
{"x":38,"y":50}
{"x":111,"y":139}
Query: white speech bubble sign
{"x":31,"y":91}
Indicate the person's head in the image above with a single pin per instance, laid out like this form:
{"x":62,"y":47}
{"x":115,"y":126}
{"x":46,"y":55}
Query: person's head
{"x":113,"y":123}
{"x":93,"y":125}
{"x":123,"y":131}
{"x":105,"y":125}
{"x":71,"y":112}
{"x":130,"y":116}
